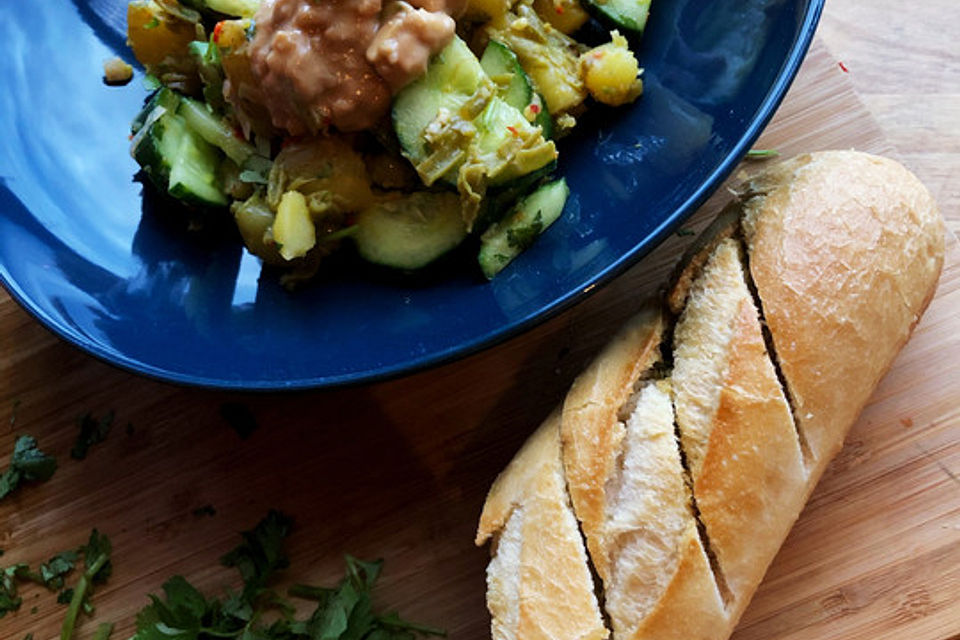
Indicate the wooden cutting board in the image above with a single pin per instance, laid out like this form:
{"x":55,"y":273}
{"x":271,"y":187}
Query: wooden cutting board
{"x":399,"y":470}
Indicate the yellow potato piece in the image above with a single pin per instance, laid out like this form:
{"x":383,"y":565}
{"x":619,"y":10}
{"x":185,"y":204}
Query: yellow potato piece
{"x":611,"y":72}
{"x":154,"y":35}
{"x":566,"y":16}
{"x":293,"y":229}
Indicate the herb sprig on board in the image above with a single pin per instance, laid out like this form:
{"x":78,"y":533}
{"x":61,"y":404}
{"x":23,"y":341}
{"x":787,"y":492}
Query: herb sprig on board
{"x":27,"y":464}
{"x":258,"y":612}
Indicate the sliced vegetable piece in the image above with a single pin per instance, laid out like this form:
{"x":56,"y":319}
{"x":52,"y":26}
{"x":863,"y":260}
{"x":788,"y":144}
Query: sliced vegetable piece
{"x":206,"y":56}
{"x":507,"y":145}
{"x":179,"y":161}
{"x":411,"y":232}
{"x":163,"y":97}
{"x":239,"y":8}
{"x":501,"y":64}
{"x":548,"y":56}
{"x":453,"y":77}
{"x":293,"y":230}
{"x":627,"y":14}
{"x":507,"y":239}
{"x":214,"y":130}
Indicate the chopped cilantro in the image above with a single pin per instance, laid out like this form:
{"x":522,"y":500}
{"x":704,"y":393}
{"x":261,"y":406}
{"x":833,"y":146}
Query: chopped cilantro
{"x":152,"y":24}
{"x":27,"y":463}
{"x":522,"y":238}
{"x":762,"y":154}
{"x":685,"y":232}
{"x":91,"y":431}
{"x":97,"y":568}
{"x":51,"y":574}
{"x":104,"y":629}
{"x":344,"y":612}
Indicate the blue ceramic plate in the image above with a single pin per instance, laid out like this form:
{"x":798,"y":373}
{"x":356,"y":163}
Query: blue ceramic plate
{"x":93,"y":260}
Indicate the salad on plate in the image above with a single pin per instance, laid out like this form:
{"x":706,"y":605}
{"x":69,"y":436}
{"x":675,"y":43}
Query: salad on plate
{"x":402,"y":129}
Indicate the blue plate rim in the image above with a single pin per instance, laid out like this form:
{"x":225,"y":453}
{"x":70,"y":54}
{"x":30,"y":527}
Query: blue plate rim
{"x":764,"y":114}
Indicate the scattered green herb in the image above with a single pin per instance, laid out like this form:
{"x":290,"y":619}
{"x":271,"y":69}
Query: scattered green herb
{"x":685,"y":232}
{"x":51,"y":573}
{"x":522,"y":238}
{"x":762,"y":154}
{"x":97,"y":568}
{"x":65,"y":596}
{"x":27,"y":463}
{"x":103,"y":631}
{"x":29,"y":636}
{"x":152,"y":24}
{"x":239,"y":417}
{"x":91,"y":431}
{"x":344,"y":612}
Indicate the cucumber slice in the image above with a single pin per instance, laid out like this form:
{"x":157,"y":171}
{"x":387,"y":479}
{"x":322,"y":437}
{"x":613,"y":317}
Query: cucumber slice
{"x":541,"y":115}
{"x":214,"y":130}
{"x":411,"y":232}
{"x":497,"y":125}
{"x":179,"y":161}
{"x":452,"y":78}
{"x":507,"y":239}
{"x":626,"y":14}
{"x":163,"y":97}
{"x":238,"y":8}
{"x":513,"y":85}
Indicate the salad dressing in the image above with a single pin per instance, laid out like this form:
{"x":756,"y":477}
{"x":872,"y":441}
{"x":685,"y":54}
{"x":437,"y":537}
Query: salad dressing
{"x":334,"y":64}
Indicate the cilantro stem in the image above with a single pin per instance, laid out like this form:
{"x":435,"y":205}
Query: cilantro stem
{"x":309,"y":592}
{"x":394,"y":622}
{"x":79,"y":595}
{"x":755,"y":154}
{"x":103,"y":631}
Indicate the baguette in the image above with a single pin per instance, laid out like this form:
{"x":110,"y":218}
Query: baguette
{"x":691,"y":443}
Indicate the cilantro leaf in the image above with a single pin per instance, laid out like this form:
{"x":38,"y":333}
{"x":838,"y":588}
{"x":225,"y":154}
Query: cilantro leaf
{"x":91,"y":431}
{"x":344,"y":612}
{"x":260,"y":554}
{"x":26,"y":463}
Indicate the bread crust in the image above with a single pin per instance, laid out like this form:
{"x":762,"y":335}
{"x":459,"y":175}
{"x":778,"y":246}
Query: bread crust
{"x":838,"y":254}
{"x":544,"y":591}
{"x":591,"y":429}
{"x":845,"y":249}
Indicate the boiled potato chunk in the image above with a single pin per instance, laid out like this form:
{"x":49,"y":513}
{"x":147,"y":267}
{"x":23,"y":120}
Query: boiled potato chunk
{"x":293,"y":228}
{"x":611,"y":72}
{"x":566,"y":16}
{"x":154,"y":35}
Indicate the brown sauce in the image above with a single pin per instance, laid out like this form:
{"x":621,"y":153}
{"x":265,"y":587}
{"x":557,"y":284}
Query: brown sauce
{"x":322,"y":63}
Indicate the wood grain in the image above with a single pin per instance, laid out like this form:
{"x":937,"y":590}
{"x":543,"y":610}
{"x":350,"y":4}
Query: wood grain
{"x":399,"y":470}
{"x":904,"y":62}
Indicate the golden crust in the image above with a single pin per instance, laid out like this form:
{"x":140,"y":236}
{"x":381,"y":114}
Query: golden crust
{"x":845,"y":249}
{"x":544,"y":588}
{"x":591,"y":430}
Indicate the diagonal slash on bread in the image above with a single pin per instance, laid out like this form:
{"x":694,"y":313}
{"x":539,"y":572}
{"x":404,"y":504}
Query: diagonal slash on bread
{"x":691,"y":443}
